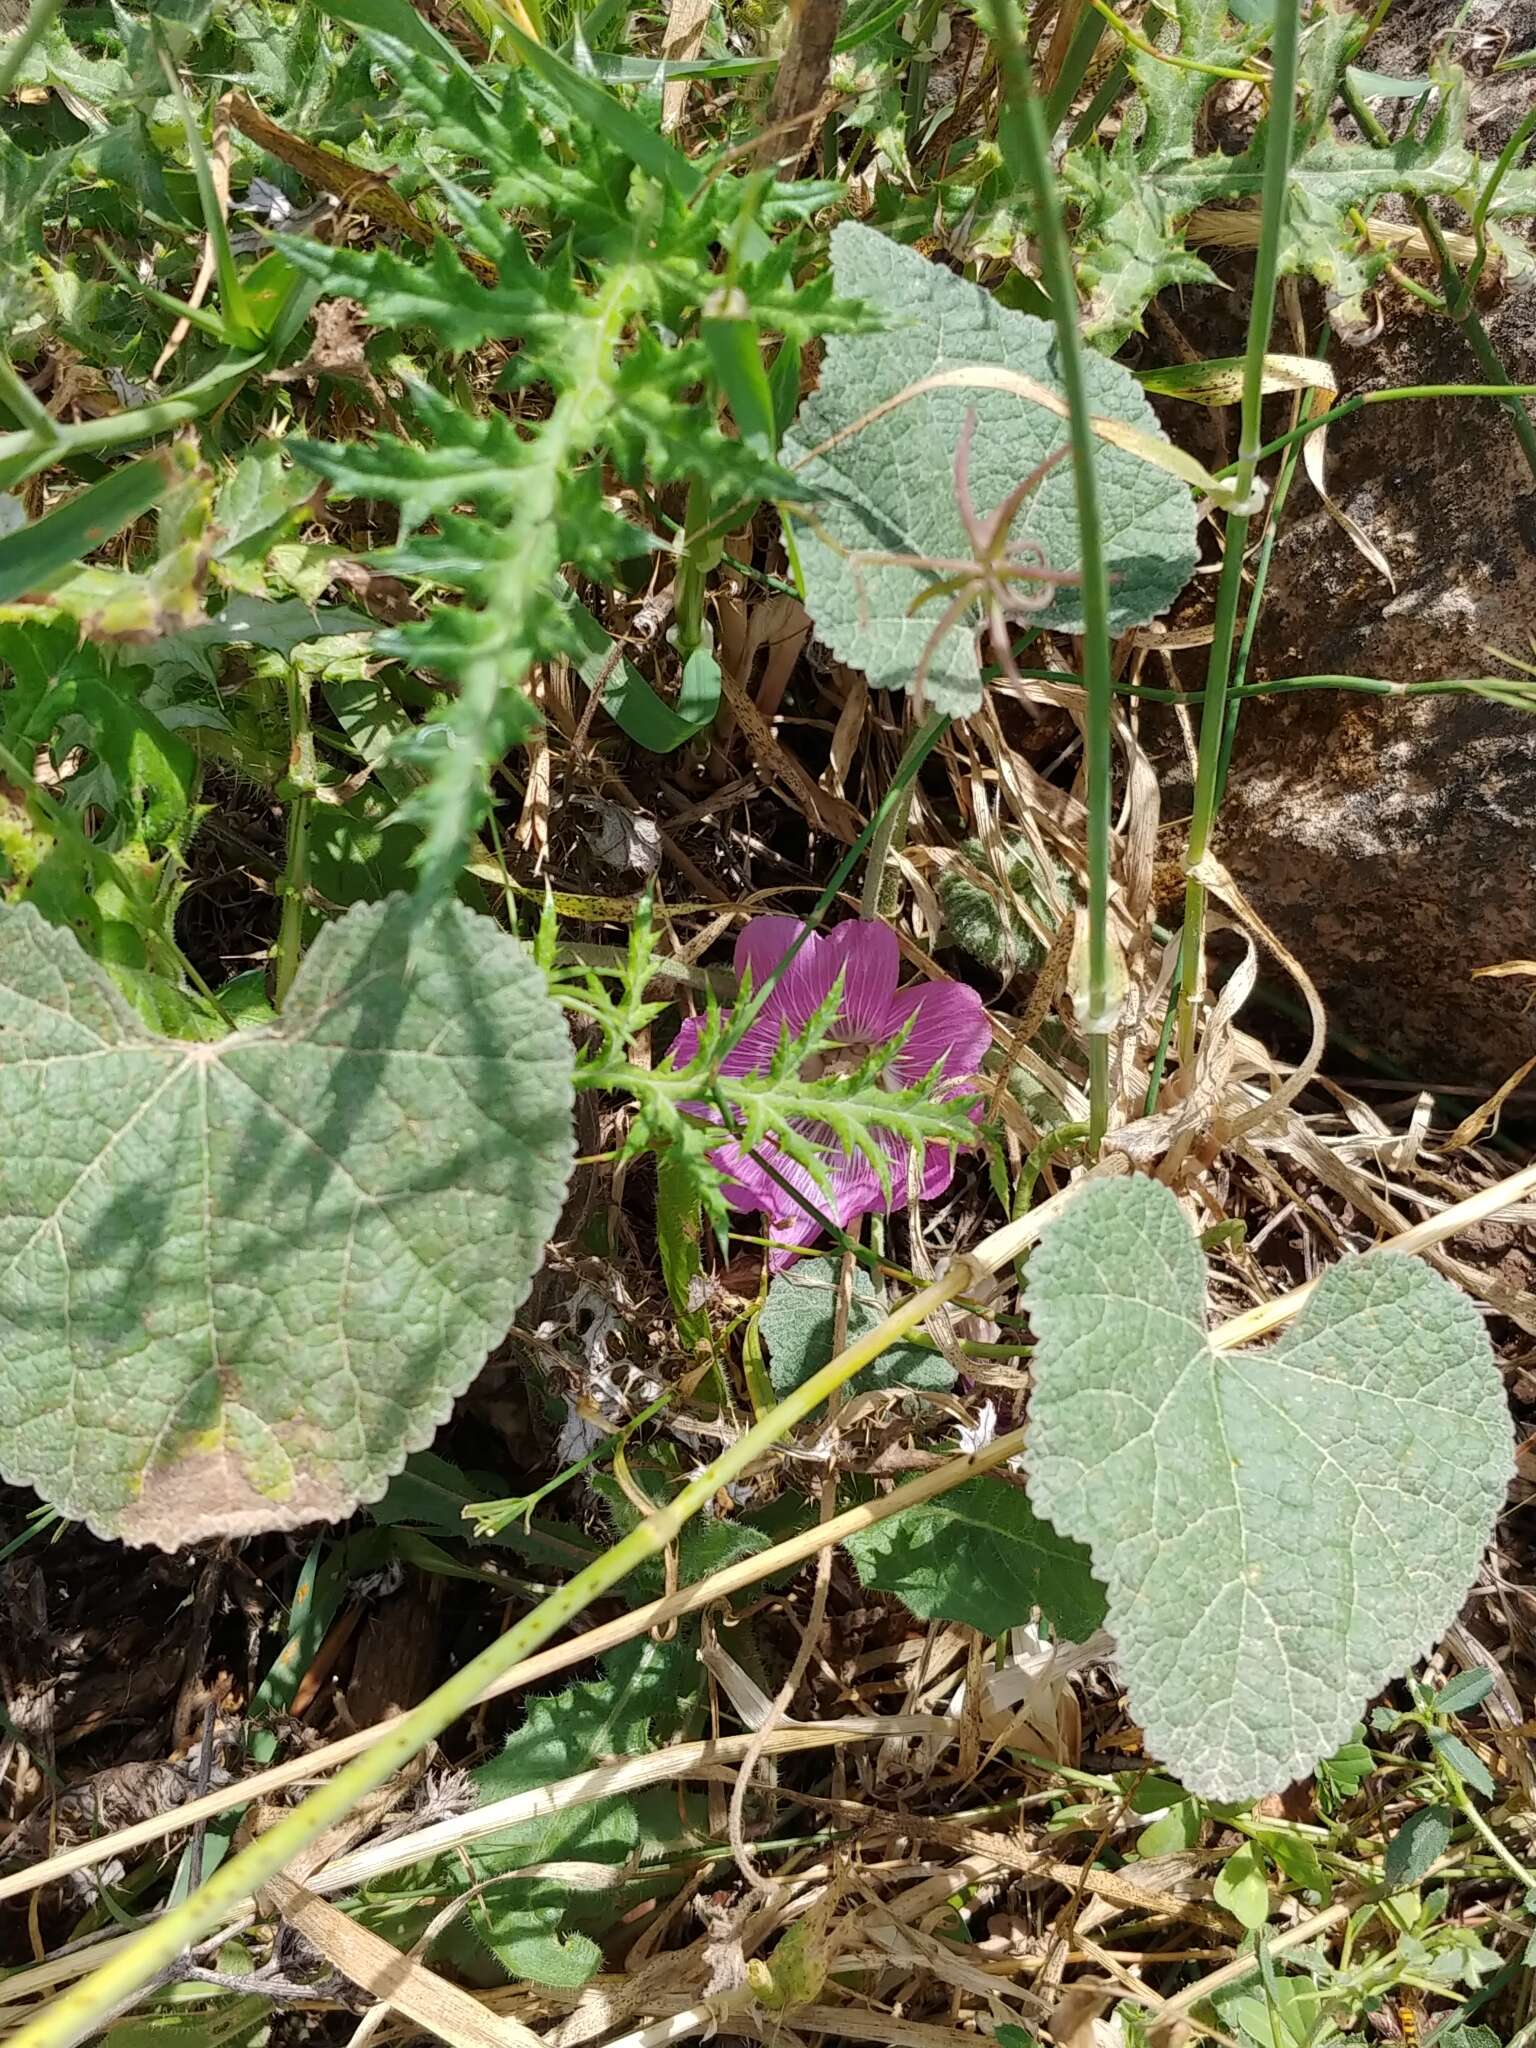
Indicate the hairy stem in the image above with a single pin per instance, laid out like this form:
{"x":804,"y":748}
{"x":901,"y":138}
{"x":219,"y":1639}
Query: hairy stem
{"x":1213,"y":719}
{"x":1027,"y":144}
{"x":295,"y":879}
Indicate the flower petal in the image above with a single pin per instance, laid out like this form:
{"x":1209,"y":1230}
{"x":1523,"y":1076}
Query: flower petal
{"x":792,"y":1211}
{"x":799,"y":991}
{"x":757,"y":1046}
{"x":686,"y":1043}
{"x":855,"y":1191}
{"x":762,"y":943}
{"x":870,"y":958}
{"x":937,"y":1172}
{"x":949,"y":1026}
{"x":747,"y":1183}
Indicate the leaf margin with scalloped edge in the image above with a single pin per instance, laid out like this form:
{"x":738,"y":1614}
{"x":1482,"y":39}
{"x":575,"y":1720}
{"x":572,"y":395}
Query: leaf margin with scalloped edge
{"x":1110,"y":1493}
{"x":429,"y":1185}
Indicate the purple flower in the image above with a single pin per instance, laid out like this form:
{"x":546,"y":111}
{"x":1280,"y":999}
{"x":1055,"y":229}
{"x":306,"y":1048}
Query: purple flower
{"x":949,"y":1032}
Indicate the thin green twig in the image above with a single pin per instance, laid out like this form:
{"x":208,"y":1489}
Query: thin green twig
{"x":79,"y":2011}
{"x":1396,"y":394}
{"x":1138,"y":41}
{"x":1026,"y":146}
{"x":1511,"y":1862}
{"x":1239,"y":690}
{"x":1280,"y":130}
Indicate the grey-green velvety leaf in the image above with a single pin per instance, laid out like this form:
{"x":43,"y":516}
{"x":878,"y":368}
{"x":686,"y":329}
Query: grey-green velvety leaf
{"x":889,"y":488}
{"x":1282,"y":1531}
{"x":240,"y":1281}
{"x":981,"y":1555}
{"x":800,"y":1317}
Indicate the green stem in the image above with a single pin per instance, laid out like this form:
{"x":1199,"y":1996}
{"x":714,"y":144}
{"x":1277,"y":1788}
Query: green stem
{"x":70,"y":2018}
{"x":1109,"y":91}
{"x":1160,"y":1057}
{"x":1505,"y":689}
{"x":1255,"y":604}
{"x":1026,"y":145}
{"x":1477,"y":338}
{"x":1485,"y":199}
{"x":877,"y":899}
{"x":699,"y":556}
{"x":1458,"y":292}
{"x":490,"y":1517}
{"x":1040,"y":1157}
{"x":23,"y":453}
{"x":22,"y":401}
{"x":1173,"y":58}
{"x":300,"y":789}
{"x":1277,"y":163}
{"x":1081,"y":51}
{"x":38,"y":20}
{"x":1511,"y":1862}
{"x":918,"y":72}
{"x":1359,"y":399}
{"x":231,"y":286}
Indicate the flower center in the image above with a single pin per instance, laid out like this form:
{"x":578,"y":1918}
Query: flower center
{"x":837,"y":1060}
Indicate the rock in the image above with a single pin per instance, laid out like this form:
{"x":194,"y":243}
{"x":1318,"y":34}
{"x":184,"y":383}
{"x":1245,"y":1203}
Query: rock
{"x":1392,"y":842}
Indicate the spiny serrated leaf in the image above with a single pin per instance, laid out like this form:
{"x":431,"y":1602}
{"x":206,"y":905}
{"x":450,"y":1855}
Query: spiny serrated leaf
{"x":1136,"y":196}
{"x":437,"y":291}
{"x":981,"y":1555}
{"x":1128,"y":245}
{"x":889,"y":486}
{"x":800,"y":1317}
{"x":242,"y":1280}
{"x":1329,"y":177}
{"x":646,"y":1693}
{"x":595,"y":247}
{"x":1280,"y":1532}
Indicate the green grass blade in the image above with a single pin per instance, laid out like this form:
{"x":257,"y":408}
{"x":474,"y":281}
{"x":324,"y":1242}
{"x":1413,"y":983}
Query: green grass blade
{"x":33,"y":555}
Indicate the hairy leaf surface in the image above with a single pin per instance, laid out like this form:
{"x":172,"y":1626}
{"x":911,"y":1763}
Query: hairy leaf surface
{"x":888,"y":485}
{"x":1281,"y":1531}
{"x":240,"y":1281}
{"x":799,"y":1323}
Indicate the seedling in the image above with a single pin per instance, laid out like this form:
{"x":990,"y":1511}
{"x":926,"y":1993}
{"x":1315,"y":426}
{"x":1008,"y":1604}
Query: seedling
{"x":1010,"y":579}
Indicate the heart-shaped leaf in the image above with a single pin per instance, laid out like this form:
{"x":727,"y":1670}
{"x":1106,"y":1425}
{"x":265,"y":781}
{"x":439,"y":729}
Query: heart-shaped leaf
{"x":982,"y":1556}
{"x":887,"y":484}
{"x":239,"y":1282}
{"x":1281,"y":1532}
